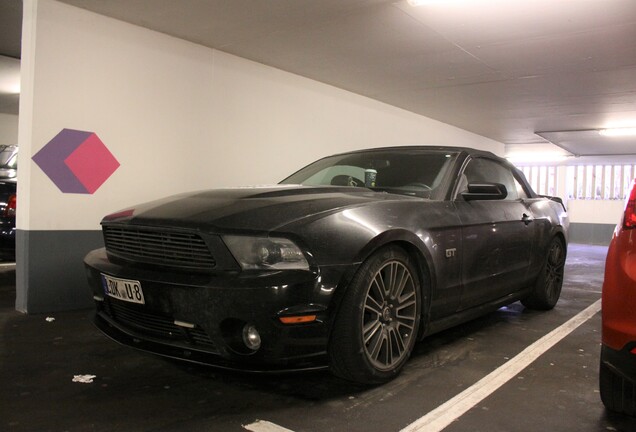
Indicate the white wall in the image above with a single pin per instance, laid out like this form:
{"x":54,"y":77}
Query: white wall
{"x":596,"y":211}
{"x":580,"y":211}
{"x":606,"y":212}
{"x":8,"y":129}
{"x":179,"y":116}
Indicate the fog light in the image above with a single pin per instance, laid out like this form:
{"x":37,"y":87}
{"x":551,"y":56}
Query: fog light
{"x":251,"y":338}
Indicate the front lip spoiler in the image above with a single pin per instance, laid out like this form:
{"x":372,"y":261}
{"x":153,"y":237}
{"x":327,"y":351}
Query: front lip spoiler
{"x":125,"y":336}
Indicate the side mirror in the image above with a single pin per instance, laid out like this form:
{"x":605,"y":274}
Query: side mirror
{"x":485,"y":191}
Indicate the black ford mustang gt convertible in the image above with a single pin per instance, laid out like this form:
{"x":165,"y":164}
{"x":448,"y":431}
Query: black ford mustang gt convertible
{"x":344,"y":264}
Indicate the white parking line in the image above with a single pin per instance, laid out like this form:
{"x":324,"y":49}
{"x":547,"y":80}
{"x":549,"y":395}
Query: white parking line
{"x":451,"y":410}
{"x":265,"y":426}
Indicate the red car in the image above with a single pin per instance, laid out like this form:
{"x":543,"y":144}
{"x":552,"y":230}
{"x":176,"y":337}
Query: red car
{"x":618,"y":352}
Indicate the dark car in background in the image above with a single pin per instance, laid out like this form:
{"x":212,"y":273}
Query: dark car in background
{"x":345,"y":263}
{"x":8,"y":200}
{"x":618,"y":349}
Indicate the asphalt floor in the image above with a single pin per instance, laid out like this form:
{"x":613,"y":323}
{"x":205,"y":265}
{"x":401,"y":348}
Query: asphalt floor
{"x":42,"y":355}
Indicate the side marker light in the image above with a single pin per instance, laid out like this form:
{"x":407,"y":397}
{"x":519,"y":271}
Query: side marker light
{"x":298,"y":319}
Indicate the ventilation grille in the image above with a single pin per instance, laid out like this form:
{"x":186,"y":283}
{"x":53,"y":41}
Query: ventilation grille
{"x":167,"y":248}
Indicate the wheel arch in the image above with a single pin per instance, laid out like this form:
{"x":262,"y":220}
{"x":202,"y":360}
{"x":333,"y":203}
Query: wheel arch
{"x":561,"y":235}
{"x":558,"y":232}
{"x":416,"y":249}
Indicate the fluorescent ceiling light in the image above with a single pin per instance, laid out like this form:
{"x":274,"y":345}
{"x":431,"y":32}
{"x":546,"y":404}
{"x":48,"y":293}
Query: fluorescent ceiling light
{"x":431,"y":2}
{"x":9,"y":75}
{"x":9,"y":86}
{"x":618,"y":132}
{"x":536,"y":157}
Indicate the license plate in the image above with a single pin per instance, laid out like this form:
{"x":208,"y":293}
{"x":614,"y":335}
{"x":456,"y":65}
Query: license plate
{"x":123,"y":289}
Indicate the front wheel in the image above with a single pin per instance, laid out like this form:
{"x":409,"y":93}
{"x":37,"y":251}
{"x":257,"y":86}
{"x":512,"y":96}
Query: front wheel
{"x":547,"y":289}
{"x":376,"y":326}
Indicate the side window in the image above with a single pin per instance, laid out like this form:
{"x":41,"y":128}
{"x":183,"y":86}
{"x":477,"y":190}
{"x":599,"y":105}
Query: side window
{"x":482,"y":170}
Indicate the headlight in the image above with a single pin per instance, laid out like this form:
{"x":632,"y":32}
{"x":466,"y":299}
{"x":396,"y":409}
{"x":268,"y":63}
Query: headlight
{"x":265,"y":253}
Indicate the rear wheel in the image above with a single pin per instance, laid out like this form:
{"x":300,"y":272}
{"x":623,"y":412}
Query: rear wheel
{"x":376,"y":326}
{"x":547,"y":289}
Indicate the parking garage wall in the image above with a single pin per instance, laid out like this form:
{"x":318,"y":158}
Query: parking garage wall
{"x":177,"y":117}
{"x":593,"y":221}
{"x":595,"y":202}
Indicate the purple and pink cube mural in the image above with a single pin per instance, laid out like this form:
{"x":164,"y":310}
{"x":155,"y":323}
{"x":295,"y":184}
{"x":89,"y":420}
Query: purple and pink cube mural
{"x":76,"y":161}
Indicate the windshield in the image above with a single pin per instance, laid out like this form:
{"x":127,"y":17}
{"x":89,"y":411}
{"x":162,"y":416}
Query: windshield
{"x":409,"y":172}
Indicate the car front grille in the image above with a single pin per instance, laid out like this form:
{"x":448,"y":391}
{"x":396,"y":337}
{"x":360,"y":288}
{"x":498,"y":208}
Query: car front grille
{"x":157,"y":325}
{"x":160,"y":247}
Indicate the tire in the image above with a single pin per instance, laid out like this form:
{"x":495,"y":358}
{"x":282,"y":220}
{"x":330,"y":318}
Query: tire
{"x":617,"y":393}
{"x":547,"y":288}
{"x":377,"y":323}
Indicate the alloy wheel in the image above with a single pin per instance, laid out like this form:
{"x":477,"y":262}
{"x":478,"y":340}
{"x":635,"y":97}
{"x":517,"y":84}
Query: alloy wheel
{"x":388,"y":319}
{"x":554,"y":269}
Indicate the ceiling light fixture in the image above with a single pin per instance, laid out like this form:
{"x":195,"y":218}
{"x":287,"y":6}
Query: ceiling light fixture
{"x":7,"y":87}
{"x":536,"y":157}
{"x":415,"y":3}
{"x":618,"y":132}
{"x":9,"y":75}
{"x":10,"y":83}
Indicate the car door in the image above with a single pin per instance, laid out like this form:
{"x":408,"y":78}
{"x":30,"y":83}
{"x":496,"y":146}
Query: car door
{"x":497,"y":235}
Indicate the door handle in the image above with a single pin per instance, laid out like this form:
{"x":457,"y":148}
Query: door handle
{"x":526,"y":219}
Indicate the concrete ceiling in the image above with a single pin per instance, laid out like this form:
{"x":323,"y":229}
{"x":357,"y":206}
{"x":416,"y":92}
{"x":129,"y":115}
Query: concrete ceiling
{"x":500,"y":68}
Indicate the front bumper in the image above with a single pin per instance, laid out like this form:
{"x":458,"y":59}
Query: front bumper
{"x":199,"y":317}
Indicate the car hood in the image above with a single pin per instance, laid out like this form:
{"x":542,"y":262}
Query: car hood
{"x":253,"y":209}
